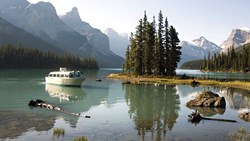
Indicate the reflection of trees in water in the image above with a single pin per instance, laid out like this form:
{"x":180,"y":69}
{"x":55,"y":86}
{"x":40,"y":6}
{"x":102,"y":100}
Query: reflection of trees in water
{"x":13,"y":124}
{"x":153,"y":109}
{"x":237,"y":98}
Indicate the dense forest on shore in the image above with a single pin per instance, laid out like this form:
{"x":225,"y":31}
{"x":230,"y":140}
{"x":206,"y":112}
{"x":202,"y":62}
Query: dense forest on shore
{"x":19,"y":57}
{"x":233,"y":60}
{"x":153,"y":51}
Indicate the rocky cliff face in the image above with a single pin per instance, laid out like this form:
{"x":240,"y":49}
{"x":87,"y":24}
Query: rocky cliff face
{"x":99,"y":41}
{"x":237,"y":38}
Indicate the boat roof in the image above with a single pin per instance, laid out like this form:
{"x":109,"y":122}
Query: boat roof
{"x":63,"y":71}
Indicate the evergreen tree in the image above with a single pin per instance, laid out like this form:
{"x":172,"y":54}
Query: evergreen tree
{"x":19,"y":57}
{"x":175,"y":50}
{"x":126,"y":66}
{"x":159,"y":46}
{"x":149,"y":46}
{"x":139,"y":49}
{"x":151,"y":50}
{"x":166,"y":55}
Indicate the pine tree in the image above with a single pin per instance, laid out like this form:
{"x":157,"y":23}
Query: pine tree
{"x":126,"y":66}
{"x":149,"y":45}
{"x":166,"y":55}
{"x":175,"y":50}
{"x":139,"y":49}
{"x":159,"y":46}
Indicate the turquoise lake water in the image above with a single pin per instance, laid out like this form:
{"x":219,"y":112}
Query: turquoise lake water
{"x":119,"y":112}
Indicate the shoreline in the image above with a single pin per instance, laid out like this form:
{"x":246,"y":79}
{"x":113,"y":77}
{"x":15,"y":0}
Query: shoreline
{"x":158,"y":80}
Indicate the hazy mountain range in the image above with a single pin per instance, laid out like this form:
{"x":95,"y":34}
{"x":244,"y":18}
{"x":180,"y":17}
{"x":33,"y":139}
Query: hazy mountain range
{"x":118,"y":41}
{"x":67,"y":33}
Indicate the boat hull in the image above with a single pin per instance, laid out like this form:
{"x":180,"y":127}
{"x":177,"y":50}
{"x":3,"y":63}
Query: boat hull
{"x":77,"y":82}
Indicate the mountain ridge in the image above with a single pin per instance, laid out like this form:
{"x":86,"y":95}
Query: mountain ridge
{"x":42,"y":21}
{"x":16,"y":36}
{"x":197,"y":49}
{"x":100,"y":41}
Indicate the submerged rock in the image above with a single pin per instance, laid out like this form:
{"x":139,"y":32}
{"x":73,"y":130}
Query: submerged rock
{"x":207,"y":99}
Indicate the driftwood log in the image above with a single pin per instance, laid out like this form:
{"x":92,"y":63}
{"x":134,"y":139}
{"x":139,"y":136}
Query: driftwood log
{"x":195,"y":117}
{"x":43,"y":104}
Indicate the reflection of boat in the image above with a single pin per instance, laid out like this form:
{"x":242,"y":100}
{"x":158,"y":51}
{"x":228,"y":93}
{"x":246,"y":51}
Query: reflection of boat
{"x":65,"y":93}
{"x":65,"y":77}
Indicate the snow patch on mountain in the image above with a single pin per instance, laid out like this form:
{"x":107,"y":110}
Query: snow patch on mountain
{"x":245,"y":29}
{"x":197,"y":49}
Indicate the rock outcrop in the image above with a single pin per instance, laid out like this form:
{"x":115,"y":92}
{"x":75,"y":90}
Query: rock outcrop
{"x":207,"y":99}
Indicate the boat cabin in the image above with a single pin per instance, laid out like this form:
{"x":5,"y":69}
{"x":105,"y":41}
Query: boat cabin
{"x":64,"y":73}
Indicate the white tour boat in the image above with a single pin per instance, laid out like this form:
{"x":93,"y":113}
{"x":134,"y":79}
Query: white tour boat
{"x":65,"y":77}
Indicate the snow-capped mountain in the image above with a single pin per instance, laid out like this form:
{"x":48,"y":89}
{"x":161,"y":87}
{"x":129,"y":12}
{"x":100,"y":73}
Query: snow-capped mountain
{"x":206,"y":45}
{"x":96,"y":38}
{"x":237,"y":38}
{"x":197,"y":49}
{"x":118,"y":42}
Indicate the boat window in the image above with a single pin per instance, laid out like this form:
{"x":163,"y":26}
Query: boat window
{"x":66,"y":75}
{"x":70,"y":75}
{"x":58,"y":75}
{"x":50,"y":75}
{"x":54,"y":75}
{"x":62,"y":75}
{"x":77,"y":74}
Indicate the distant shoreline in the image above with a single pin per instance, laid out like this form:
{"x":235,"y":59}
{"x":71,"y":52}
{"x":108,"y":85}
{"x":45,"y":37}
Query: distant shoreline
{"x":158,"y":80}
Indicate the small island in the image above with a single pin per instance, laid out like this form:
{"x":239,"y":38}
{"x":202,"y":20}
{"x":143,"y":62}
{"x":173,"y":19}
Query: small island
{"x":177,"y":80}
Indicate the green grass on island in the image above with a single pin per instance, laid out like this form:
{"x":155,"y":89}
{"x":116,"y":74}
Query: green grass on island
{"x":178,"y":80}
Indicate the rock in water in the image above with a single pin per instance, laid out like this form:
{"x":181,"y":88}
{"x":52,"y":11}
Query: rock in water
{"x":208,"y":99}
{"x":245,"y":116}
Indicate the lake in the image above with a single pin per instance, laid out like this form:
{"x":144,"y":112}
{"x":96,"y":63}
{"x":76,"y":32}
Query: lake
{"x":118,"y":111}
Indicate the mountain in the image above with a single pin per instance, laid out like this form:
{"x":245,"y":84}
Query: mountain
{"x":100,"y":42}
{"x":197,"y":49}
{"x":16,"y":36}
{"x":118,"y":42}
{"x":42,"y":21}
{"x":237,"y":38}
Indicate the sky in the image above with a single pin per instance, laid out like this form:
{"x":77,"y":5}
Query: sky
{"x":212,"y":19}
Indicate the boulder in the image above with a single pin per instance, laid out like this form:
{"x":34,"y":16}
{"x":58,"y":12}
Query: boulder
{"x":208,"y":99}
{"x":245,"y":116}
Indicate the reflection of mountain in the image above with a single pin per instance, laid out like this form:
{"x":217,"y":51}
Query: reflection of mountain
{"x":237,"y":98}
{"x":185,"y":90}
{"x":65,"y":93}
{"x":153,"y":110}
